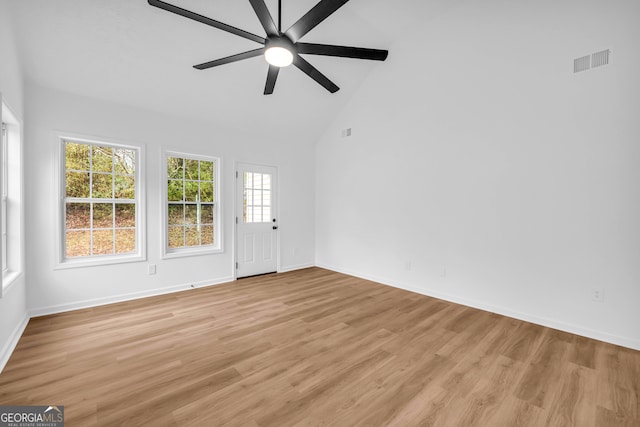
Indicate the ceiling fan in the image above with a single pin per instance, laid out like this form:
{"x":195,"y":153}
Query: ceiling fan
{"x":282,"y":49}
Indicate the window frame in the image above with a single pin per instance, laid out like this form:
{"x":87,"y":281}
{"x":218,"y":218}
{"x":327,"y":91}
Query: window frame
{"x":12,"y":180}
{"x":218,"y":246}
{"x":4,"y":227}
{"x":62,"y":262}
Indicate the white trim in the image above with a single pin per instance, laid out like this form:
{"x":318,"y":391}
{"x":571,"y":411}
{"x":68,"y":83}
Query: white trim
{"x":15,"y":211}
{"x":95,"y":302}
{"x":7,"y":350}
{"x":9,"y":279}
{"x":543,"y":321}
{"x":61,"y":262}
{"x":295,"y":267}
{"x":218,"y":232}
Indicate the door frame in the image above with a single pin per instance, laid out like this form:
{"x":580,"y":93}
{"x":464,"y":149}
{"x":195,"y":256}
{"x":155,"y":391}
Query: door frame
{"x":237,"y":214}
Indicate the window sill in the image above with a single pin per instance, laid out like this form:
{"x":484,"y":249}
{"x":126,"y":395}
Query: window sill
{"x":97,"y":261}
{"x":9,"y":279}
{"x":191,"y":252}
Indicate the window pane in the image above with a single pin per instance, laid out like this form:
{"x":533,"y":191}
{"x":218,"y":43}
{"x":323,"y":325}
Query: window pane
{"x":78,"y":215}
{"x":176,"y":214}
{"x":266,"y":214}
{"x":175,"y":168}
{"x":192,"y":236}
{"x":190,"y":191}
{"x":191,"y":169}
{"x":175,"y":191}
{"x":103,"y":242}
{"x":77,"y":184}
{"x":257,"y":181}
{"x":176,"y":237}
{"x":248,"y":216}
{"x":206,"y":191}
{"x":125,"y":161}
{"x":207,"y":234}
{"x":125,"y":215}
{"x":266,"y":198}
{"x":191,"y":214}
{"x":102,"y":215}
{"x":125,"y":241}
{"x":206,"y":214}
{"x":192,"y":182}
{"x":257,"y":214}
{"x":102,"y":159}
{"x":102,"y":186}
{"x":206,"y":171}
{"x":266,"y":181}
{"x":257,"y":197}
{"x":77,"y":156}
{"x":78,"y":243}
{"x":110,"y":175}
{"x":125,"y":187}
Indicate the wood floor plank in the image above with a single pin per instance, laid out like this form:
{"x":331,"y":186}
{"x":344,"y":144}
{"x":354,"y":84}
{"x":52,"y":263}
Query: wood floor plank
{"x":315,"y":347}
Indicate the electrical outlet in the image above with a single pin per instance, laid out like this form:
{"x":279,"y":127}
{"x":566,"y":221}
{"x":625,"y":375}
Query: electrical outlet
{"x":151,"y":269}
{"x":597,"y":294}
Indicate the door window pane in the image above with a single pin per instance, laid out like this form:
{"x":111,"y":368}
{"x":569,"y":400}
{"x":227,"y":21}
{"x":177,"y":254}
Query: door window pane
{"x":257,"y":197}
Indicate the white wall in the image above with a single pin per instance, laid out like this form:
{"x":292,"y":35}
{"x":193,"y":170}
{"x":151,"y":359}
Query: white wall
{"x":13,"y":304}
{"x":48,"y":111}
{"x":505,"y":180}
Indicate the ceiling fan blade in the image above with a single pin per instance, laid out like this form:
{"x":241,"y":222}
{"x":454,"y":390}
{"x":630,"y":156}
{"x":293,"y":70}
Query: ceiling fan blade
{"x":316,"y":75}
{"x":229,"y":59}
{"x":316,"y":15}
{"x":208,"y":21}
{"x":271,"y":79}
{"x":342,"y":51}
{"x":265,"y":17}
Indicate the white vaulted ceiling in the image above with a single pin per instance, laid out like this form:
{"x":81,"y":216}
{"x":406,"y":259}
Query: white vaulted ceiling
{"x":128,"y":52}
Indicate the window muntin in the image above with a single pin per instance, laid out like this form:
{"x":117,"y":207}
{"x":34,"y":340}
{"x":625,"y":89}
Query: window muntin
{"x":191,"y":204}
{"x":100,"y":200}
{"x":257,"y":197}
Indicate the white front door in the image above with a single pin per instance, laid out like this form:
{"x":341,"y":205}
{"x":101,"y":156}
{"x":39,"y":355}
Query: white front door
{"x":257,"y":228}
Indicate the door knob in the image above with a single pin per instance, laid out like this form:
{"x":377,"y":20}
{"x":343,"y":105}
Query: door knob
{"x":275,"y":227}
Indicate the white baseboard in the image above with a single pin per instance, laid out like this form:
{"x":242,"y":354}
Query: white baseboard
{"x":61,"y":308}
{"x":7,"y":349}
{"x":295,"y":267}
{"x":527,"y":317}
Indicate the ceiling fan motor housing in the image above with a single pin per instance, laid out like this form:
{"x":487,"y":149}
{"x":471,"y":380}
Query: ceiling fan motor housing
{"x":281,"y":41}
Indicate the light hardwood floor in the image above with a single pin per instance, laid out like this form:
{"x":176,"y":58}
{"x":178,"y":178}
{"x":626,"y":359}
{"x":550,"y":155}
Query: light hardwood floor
{"x":314,"y":347}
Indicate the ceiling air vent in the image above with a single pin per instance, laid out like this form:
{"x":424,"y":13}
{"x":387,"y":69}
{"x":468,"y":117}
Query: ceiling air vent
{"x":599,"y":59}
{"x":582,"y":64}
{"x":594,"y":60}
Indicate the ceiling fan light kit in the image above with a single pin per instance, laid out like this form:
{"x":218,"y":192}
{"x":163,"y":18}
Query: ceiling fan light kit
{"x":281,"y":49}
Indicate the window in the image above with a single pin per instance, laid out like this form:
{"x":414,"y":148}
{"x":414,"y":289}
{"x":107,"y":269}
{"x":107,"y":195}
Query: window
{"x":101,"y":202}
{"x":5,"y":194}
{"x":192,"y":211}
{"x":257,"y":197}
{"x":11,"y":212}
